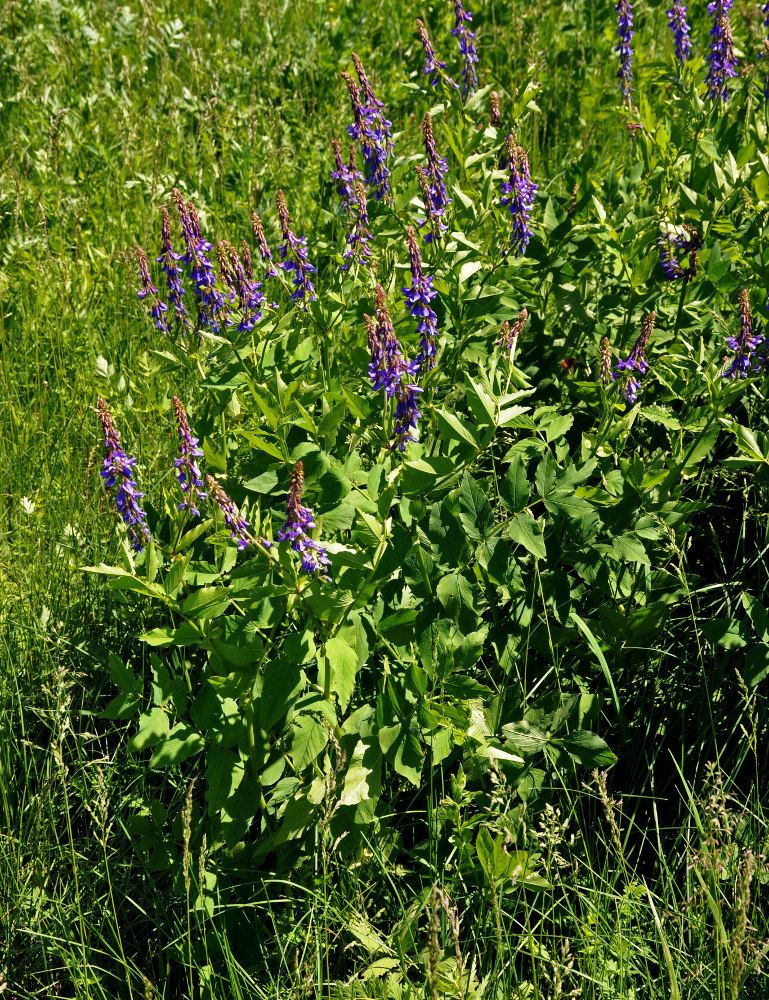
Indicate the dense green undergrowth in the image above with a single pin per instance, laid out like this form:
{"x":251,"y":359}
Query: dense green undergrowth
{"x":222,"y":775}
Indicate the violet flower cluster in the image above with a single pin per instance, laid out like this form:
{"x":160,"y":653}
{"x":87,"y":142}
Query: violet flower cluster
{"x":510,"y":332}
{"x":159,"y":308}
{"x":238,"y":277}
{"x":722,"y":63}
{"x":170,"y":266}
{"x":293,"y":254}
{"x":359,"y":237}
{"x":432,"y":63}
{"x":211,"y":303}
{"x":187,"y":469}
{"x":624,"y":11}
{"x":434,"y":195}
{"x":418,"y":297}
{"x":299,"y":520}
{"x":744,"y":344}
{"x":675,"y":248}
{"x":372,"y":130}
{"x":117,"y":470}
{"x":635,"y":363}
{"x":681,"y":30}
{"x":518,"y":192}
{"x":237,"y":524}
{"x":261,"y":243}
{"x":346,"y":175}
{"x":462,"y":19}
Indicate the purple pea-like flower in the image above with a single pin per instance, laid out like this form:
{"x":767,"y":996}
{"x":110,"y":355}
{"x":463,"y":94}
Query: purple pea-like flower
{"x":211,"y":303}
{"x":432,"y":63}
{"x":159,"y":308}
{"x":624,"y":11}
{"x":388,"y":364}
{"x":170,"y":266}
{"x":187,"y":469}
{"x":300,"y":520}
{"x":360,"y":237}
{"x":237,"y":524}
{"x":744,"y":344}
{"x":293,"y":254}
{"x":681,"y":30}
{"x":117,"y":470}
{"x":418,"y":297}
{"x":264,"y":250}
{"x":346,"y":175}
{"x":674,"y":248}
{"x":241,"y":284}
{"x":462,"y":19}
{"x":510,"y":332}
{"x":434,"y":194}
{"x":407,"y":416}
{"x":372,"y":130}
{"x":722,"y":63}
{"x":635,"y":361}
{"x":518,"y":192}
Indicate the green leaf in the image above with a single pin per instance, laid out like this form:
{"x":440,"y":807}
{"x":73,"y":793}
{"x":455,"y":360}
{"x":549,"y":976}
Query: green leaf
{"x":567,"y":503}
{"x":588,"y":749}
{"x":182,"y":742}
{"x":544,"y":478}
{"x":122,"y":676}
{"x":400,"y":745}
{"x":153,"y":727}
{"x":514,"y":489}
{"x":525,"y":531}
{"x":185,"y":635}
{"x":343,"y":661}
{"x":629,"y":548}
{"x":282,"y":682}
{"x":453,"y":427}
{"x":224,"y":773}
{"x":309,"y":739}
{"x":208,"y":602}
{"x":475,"y":511}
{"x":454,"y":591}
{"x":362,"y":781}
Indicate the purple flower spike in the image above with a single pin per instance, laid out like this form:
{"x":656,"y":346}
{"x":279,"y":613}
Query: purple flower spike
{"x":117,"y":470}
{"x":346,"y":175}
{"x":264,"y":250}
{"x":744,"y":344}
{"x":159,"y":308}
{"x":169,"y":265}
{"x":372,"y":130}
{"x":212,"y":305}
{"x":241,"y":284}
{"x":674,"y":248}
{"x":510,"y":332}
{"x":389,"y":365}
{"x":360,"y":237}
{"x":721,"y":59}
{"x":432,"y":63}
{"x":407,"y":415}
{"x":635,"y":361}
{"x":681,"y":30}
{"x":434,"y":195}
{"x":187,"y":470}
{"x":232,"y":518}
{"x":418,"y":298}
{"x":462,"y":18}
{"x":519,"y":192}
{"x":293,"y":253}
{"x":299,"y":520}
{"x":624,"y":11}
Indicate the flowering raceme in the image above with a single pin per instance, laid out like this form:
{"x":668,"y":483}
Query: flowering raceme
{"x":237,"y":524}
{"x":360,"y":237}
{"x":518,"y":192}
{"x":346,"y":175}
{"x":239,"y":278}
{"x":418,"y":298}
{"x":211,"y":303}
{"x":159,"y":308}
{"x":722,"y":62}
{"x":293,"y":253}
{"x":432,"y":63}
{"x":434,"y":195}
{"x":170,"y":266}
{"x":681,"y":30}
{"x":744,"y":344}
{"x":372,"y":130}
{"x":624,"y":11}
{"x":299,"y":520}
{"x":510,"y":332}
{"x":687,"y":243}
{"x":117,"y":470}
{"x":187,"y":470}
{"x":635,"y":362}
{"x":462,"y":19}
{"x":264,"y":250}
{"x":388,"y":364}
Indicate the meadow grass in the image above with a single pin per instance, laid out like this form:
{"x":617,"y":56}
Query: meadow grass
{"x":106,"y":107}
